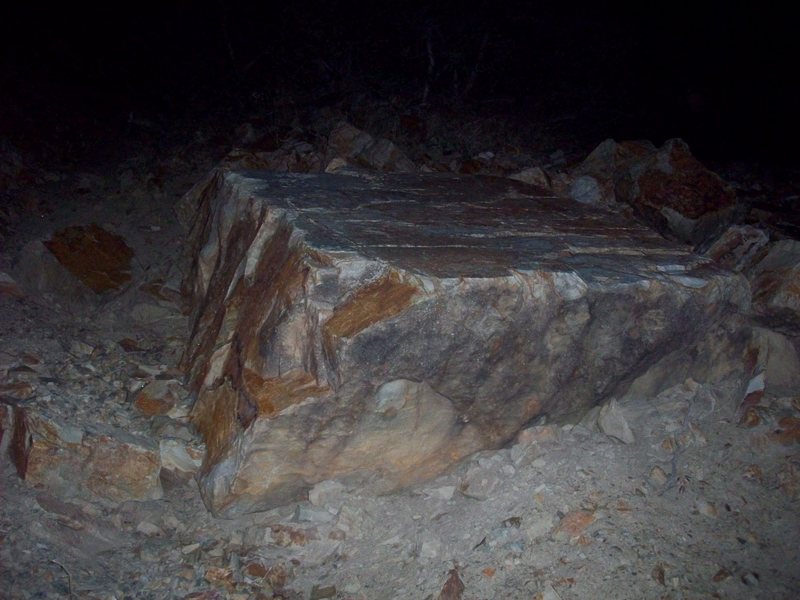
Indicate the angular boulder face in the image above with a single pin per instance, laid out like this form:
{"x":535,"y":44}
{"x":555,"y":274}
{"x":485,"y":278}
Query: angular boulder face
{"x":378,"y":329}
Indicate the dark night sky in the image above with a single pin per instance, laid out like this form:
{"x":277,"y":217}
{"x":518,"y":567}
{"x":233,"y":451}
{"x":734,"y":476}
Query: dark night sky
{"x":721,"y":72}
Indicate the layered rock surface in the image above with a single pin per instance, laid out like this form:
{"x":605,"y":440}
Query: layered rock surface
{"x":380,"y":328}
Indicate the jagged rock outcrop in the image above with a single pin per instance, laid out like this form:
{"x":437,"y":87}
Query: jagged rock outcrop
{"x":379,"y":328}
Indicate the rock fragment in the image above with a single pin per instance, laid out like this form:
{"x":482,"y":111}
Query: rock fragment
{"x":100,"y":259}
{"x":611,"y":421}
{"x":100,"y":461}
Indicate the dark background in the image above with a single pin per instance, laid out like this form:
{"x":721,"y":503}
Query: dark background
{"x":723,"y":76}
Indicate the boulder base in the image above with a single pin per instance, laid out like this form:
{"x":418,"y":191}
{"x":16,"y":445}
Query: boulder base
{"x":377,"y":329}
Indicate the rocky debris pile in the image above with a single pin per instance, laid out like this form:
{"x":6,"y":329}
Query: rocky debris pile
{"x":554,"y":513}
{"x":666,"y":186}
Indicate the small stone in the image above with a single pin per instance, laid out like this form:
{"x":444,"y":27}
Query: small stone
{"x":539,"y":526}
{"x":658,"y":574}
{"x":657,"y":476}
{"x":753,"y":473}
{"x":612,"y":422}
{"x":157,"y":397}
{"x":325,"y":492}
{"x":352,"y":587}
{"x":573,"y":524}
{"x":283,"y":535}
{"x":443,"y":493}
{"x":479,"y":483}
{"x":586,"y":190}
{"x":751,"y":579}
{"x":101,"y":460}
{"x":453,"y":588}
{"x":533,"y":176}
{"x":548,"y":593}
{"x":81,"y":348}
{"x":750,"y":418}
{"x":538,"y":434}
{"x":149,"y":529}
{"x":721,"y":575}
{"x":278,"y":575}
{"x":707,"y":509}
{"x":430,"y":549}
{"x":180,"y":455}
{"x":788,"y":431}
{"x":9,"y":287}
{"x":151,"y":313}
{"x":172,"y":522}
{"x":188,"y":549}
{"x":311,"y":514}
{"x":221,"y":576}
{"x":130,"y":345}
{"x":255,"y":569}
{"x":322,"y":592}
{"x":236,"y":539}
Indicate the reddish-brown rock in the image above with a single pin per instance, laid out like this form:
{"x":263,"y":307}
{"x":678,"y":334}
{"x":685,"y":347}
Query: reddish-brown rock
{"x":158,"y":397}
{"x":668,"y":187}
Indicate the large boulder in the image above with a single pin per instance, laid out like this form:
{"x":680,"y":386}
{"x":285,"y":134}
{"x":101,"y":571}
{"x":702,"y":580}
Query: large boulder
{"x":377,"y":329}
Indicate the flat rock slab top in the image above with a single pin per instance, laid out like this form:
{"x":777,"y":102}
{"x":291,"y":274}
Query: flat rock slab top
{"x":379,"y":328}
{"x":448,"y":226}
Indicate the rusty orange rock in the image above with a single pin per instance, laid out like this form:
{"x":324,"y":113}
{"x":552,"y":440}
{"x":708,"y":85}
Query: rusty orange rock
{"x":100,"y":259}
{"x":574,"y":523}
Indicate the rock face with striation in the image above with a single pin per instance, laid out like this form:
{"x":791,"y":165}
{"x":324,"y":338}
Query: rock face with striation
{"x":377,"y":329}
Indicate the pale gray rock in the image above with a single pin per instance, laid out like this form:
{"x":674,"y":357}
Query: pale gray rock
{"x":586,"y":190}
{"x":326,"y":492}
{"x":611,"y":421}
{"x":148,"y":313}
{"x":311,"y":514}
{"x":180,"y":456}
{"x":444,"y":492}
{"x":481,"y":481}
{"x":780,"y":360}
{"x":533,"y":176}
